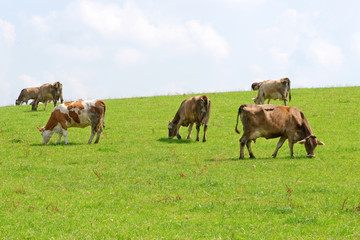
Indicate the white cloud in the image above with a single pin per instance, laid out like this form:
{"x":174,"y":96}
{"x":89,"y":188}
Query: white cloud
{"x":326,"y":54}
{"x":29,"y":81}
{"x":84,"y":53}
{"x":129,"y":56}
{"x":7,"y":31}
{"x":43,"y":23}
{"x":208,"y":39}
{"x":132,"y":24}
{"x":242,"y":2}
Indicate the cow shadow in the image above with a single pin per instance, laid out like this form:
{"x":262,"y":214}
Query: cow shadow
{"x":265,"y":159}
{"x":58,"y":144}
{"x":175,"y":141}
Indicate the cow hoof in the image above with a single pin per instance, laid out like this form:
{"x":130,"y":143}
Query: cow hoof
{"x":204,"y":140}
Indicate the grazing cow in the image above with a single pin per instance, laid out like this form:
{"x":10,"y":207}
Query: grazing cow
{"x":26,"y":94}
{"x":272,"y":89}
{"x":270,"y":121}
{"x":75,"y":114}
{"x":192,"y":110}
{"x":48,"y":92}
{"x":255,"y":85}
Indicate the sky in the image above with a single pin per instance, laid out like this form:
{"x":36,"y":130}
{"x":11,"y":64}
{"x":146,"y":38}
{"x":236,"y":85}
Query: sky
{"x":128,"y":48}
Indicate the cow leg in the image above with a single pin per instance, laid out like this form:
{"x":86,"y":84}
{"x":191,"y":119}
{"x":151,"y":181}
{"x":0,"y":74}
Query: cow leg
{"x":177,"y":131}
{"x":248,"y":145}
{"x":285,"y":101}
{"x":92,"y":134}
{"x":45,"y":103}
{"x":59,"y":139}
{"x":34,"y":105}
{"x":190,"y":129}
{"x":291,"y":146}
{"x":64,"y":132}
{"x":278,"y":146}
{"x":269,"y":101}
{"x":242,"y":141}
{"x":98,"y":135}
{"x":205,"y":129}
{"x":197,"y":131}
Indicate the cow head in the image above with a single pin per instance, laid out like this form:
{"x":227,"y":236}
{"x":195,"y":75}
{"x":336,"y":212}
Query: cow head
{"x":310,"y":144}
{"x":58,"y":90}
{"x":172,"y":129}
{"x":256,"y":100}
{"x":18,"y":102}
{"x":46,"y":134}
{"x":202,"y":106}
{"x":255,"y":86}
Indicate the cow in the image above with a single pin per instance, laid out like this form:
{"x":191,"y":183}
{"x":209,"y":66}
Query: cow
{"x":26,"y":94}
{"x":270,"y":121}
{"x":75,"y":114}
{"x":192,"y":110}
{"x":48,"y":92}
{"x":272,"y":89}
{"x":255,"y":85}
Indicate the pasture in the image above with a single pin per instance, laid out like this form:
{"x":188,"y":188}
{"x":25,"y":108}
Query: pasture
{"x":137,"y":183}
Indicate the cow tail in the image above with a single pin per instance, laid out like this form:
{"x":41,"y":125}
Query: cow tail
{"x":289,"y":91}
{"x":104,"y":115}
{"x":237,"y":119}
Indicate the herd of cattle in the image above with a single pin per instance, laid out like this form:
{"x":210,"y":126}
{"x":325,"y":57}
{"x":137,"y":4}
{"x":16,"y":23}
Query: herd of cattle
{"x":258,"y":120}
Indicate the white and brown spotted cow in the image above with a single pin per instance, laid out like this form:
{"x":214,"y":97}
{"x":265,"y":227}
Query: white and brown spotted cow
{"x":270,"y":121}
{"x":192,"y":110}
{"x":75,"y":114}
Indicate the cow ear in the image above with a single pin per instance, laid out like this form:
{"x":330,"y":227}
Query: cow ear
{"x":302,"y":141}
{"x":40,"y":129}
{"x":319,"y":142}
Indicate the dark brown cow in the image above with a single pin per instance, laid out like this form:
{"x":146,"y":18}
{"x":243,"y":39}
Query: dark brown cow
{"x":48,"y":92}
{"x":272,"y":89}
{"x":26,"y":94}
{"x":270,"y":121}
{"x":192,"y":110}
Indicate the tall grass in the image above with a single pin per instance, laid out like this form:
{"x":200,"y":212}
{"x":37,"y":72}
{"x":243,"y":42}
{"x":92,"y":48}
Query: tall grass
{"x":136,"y":183}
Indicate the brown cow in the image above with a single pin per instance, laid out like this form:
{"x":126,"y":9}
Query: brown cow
{"x":255,"y":85}
{"x":26,"y":94}
{"x":270,"y":121}
{"x":48,"y":92}
{"x":272,"y":89}
{"x":192,"y":110}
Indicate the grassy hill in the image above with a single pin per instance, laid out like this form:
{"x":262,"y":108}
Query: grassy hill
{"x":136,"y":183}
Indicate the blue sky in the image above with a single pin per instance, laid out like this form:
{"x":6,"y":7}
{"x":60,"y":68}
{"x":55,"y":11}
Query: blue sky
{"x":113,"y":49}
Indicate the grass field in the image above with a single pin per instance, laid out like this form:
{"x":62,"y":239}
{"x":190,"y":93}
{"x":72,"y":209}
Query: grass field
{"x":136,"y":183}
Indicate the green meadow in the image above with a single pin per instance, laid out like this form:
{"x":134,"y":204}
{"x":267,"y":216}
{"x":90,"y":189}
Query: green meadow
{"x":138,"y":184}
